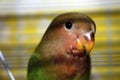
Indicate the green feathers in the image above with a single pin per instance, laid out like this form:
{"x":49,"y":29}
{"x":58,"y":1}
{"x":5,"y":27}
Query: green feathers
{"x":62,"y":53}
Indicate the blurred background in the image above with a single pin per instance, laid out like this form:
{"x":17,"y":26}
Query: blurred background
{"x":23,"y":23}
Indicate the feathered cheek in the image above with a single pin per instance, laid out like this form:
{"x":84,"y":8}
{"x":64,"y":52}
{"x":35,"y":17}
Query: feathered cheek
{"x":73,"y":48}
{"x":79,"y":46}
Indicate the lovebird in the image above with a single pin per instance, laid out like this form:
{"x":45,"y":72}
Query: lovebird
{"x":64,"y":51}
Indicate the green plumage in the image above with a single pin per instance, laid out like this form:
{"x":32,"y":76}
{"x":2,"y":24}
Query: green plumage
{"x":38,"y":70}
{"x":57,"y":56}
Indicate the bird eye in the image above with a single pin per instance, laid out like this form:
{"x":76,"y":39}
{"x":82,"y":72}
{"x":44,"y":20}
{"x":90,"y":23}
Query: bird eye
{"x":68,"y":25}
{"x":92,"y":35}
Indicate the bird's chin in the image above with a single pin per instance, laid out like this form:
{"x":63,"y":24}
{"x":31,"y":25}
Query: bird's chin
{"x":74,"y":52}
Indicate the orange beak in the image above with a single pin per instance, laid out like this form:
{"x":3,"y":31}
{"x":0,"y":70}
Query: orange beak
{"x":85,"y":44}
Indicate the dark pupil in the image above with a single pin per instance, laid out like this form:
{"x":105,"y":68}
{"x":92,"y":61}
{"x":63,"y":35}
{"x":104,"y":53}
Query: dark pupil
{"x":68,"y":25}
{"x":92,"y":35}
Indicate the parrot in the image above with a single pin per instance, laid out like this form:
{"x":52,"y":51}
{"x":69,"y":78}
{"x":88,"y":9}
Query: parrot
{"x":64,"y":50}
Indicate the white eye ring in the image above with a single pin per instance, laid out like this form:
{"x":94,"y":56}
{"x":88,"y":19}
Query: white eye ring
{"x":68,"y":25}
{"x":88,"y":35}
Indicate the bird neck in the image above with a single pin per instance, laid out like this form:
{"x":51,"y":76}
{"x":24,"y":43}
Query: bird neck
{"x":61,"y":65}
{"x":66,"y":68}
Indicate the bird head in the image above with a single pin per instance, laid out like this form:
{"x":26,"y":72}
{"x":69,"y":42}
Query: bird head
{"x":73,"y":33}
